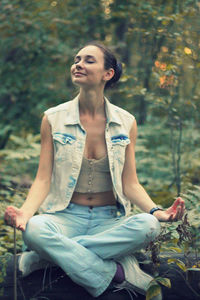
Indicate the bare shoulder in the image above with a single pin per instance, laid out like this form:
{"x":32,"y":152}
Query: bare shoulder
{"x":45,"y":128}
{"x":133,"y":132}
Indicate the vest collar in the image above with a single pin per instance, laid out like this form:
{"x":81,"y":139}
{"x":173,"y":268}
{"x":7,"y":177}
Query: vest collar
{"x":73,"y":112}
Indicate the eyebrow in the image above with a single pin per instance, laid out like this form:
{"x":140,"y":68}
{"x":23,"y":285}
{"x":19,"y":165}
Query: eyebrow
{"x":87,"y":56}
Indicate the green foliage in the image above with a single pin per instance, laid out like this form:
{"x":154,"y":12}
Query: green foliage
{"x":4,"y":259}
{"x":155,"y":288}
{"x":153,"y":291}
{"x":6,"y":239}
{"x":29,"y":52}
{"x":181,"y":239}
{"x":158,"y":43}
{"x":192,"y":202}
{"x":22,"y":148}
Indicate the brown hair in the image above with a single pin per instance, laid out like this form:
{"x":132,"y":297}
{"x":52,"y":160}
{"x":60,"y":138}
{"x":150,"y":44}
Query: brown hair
{"x":110,"y":61}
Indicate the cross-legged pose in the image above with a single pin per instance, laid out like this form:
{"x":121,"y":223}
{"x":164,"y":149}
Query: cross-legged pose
{"x":85,"y":184}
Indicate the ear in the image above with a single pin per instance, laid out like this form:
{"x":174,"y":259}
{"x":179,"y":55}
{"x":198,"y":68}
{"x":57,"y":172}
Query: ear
{"x":108,"y":74}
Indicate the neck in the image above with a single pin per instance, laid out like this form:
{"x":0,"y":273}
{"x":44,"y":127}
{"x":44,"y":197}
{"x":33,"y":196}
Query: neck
{"x":91,"y":102}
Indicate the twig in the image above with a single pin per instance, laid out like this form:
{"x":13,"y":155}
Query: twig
{"x":49,"y":284}
{"x":178,"y":178}
{"x":15,"y":266}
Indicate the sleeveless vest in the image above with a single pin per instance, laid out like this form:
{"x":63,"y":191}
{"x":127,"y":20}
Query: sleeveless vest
{"x":69,"y":143}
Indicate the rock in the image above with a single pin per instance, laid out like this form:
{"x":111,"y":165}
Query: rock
{"x":54,"y":284}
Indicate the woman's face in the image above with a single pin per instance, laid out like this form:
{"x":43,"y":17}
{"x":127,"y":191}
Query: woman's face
{"x":88,"y":68}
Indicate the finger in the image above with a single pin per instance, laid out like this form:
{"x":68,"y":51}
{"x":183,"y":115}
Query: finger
{"x":178,"y":201}
{"x":21,"y":227}
{"x":7,"y":217}
{"x":170,"y":219}
{"x":178,"y":206}
{"x":9,"y":211}
{"x":180,"y":212}
{"x":174,"y":216}
{"x":181,"y":209}
{"x":11,"y":219}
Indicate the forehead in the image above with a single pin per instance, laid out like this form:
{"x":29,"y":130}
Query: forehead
{"x":91,"y":51}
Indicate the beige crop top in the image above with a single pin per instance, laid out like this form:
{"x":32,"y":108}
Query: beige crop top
{"x":94,"y":176}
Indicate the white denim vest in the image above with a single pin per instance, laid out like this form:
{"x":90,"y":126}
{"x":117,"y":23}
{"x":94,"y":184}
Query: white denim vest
{"x":69,"y":143}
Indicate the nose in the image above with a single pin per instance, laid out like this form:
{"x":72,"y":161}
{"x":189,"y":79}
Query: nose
{"x":79,"y":65}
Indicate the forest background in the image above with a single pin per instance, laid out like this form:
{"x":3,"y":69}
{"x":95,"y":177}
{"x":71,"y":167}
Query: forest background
{"x":158,"y":43}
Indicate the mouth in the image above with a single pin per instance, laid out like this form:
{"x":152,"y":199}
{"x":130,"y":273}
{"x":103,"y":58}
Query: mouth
{"x":79,"y":74}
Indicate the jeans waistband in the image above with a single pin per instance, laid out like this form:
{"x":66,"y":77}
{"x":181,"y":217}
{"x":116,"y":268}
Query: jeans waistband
{"x":97,"y":208}
{"x":99,"y":211}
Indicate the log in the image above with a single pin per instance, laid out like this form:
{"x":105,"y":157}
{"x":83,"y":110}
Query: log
{"x":54,"y":284}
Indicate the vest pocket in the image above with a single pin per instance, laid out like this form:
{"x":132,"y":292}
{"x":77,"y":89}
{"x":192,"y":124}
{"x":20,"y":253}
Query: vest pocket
{"x":64,"y":138}
{"x":119,"y":143}
{"x":64,"y":146}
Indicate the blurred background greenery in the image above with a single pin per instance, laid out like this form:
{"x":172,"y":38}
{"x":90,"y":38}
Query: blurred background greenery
{"x":158,"y":43}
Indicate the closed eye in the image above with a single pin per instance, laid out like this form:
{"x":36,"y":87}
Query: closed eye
{"x":88,"y":59}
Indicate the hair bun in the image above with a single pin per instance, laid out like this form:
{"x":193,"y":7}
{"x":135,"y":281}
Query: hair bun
{"x":117,"y":75}
{"x":118,"y":70}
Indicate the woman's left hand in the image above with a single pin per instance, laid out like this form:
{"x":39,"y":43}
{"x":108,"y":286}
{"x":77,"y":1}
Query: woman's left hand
{"x":173,"y":213}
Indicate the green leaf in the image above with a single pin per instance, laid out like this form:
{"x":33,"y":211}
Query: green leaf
{"x":153,"y":291}
{"x":164,"y":281}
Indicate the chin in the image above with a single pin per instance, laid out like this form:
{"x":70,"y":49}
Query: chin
{"x":78,"y":83}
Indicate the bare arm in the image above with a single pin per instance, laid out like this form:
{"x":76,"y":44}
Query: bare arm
{"x":40,"y":187}
{"x":134,"y":191}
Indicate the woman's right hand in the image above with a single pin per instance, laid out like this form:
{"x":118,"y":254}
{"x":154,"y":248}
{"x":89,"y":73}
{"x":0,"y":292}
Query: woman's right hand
{"x":16,"y":217}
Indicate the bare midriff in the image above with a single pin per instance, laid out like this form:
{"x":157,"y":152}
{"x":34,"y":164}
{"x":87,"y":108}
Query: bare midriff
{"x":94,"y":199}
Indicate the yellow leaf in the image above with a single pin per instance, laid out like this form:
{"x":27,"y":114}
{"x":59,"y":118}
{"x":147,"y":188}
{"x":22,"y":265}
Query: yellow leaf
{"x":187,"y":50}
{"x":182,"y":266}
{"x":178,"y":262}
{"x":171,"y":260}
{"x":54,"y":3}
{"x":165,"y":22}
{"x":175,"y":249}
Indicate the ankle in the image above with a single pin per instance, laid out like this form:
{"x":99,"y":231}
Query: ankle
{"x":119,"y":275}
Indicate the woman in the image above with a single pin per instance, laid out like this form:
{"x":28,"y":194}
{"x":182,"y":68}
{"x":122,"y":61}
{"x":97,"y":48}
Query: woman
{"x":85,"y":184}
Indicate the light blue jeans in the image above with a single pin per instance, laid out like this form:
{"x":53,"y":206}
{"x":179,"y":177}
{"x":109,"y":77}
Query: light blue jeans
{"x":86,"y":242}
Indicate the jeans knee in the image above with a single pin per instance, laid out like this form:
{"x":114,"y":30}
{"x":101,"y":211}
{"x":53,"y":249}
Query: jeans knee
{"x":147,"y":226}
{"x":32,"y":234}
{"x":151,"y":226}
